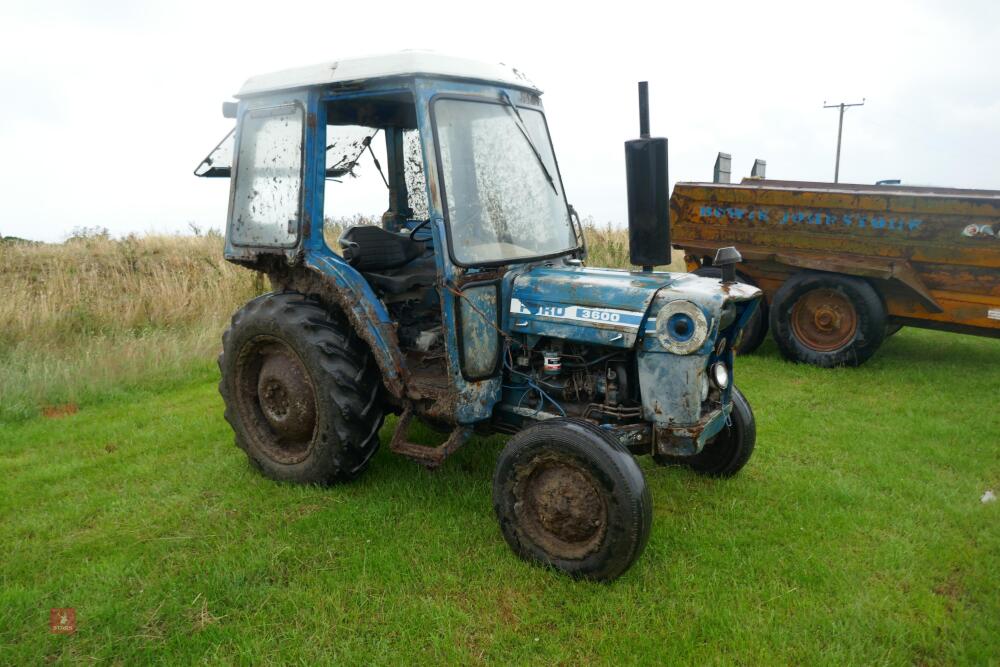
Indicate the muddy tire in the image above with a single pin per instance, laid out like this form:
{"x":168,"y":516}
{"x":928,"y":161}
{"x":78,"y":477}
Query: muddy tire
{"x":827,"y":319}
{"x":570,"y":496}
{"x":756,"y":329}
{"x":730,"y":450}
{"x":302,"y":391}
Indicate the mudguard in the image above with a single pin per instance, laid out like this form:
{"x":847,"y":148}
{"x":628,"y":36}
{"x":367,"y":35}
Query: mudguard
{"x":367,"y":314}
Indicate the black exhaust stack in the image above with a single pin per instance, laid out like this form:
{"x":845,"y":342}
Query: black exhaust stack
{"x":648,"y":193}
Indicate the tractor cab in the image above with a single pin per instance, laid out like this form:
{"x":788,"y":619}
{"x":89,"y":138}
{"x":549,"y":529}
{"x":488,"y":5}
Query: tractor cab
{"x":410,"y":214}
{"x":424,"y":174}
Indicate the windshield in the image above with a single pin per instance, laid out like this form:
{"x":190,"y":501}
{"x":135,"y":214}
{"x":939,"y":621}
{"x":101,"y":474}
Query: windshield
{"x":500,"y":203}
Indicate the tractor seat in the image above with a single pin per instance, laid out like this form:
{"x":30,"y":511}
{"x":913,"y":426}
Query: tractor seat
{"x":372,"y":248}
{"x":421,"y":272}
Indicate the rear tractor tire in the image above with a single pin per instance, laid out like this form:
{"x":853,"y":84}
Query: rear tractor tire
{"x":302,"y":391}
{"x":827,"y":319}
{"x":570,"y":496}
{"x":755,"y":331}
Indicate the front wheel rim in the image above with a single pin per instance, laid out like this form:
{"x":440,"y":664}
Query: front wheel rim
{"x":561,"y":506}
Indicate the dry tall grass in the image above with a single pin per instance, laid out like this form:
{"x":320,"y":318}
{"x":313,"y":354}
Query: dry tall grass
{"x":57,"y":293}
{"x":608,"y":246}
{"x":95,"y":314}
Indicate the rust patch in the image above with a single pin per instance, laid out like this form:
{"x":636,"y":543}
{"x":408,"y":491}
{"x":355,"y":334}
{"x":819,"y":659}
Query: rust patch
{"x":480,"y":277}
{"x":429,"y":457}
{"x":824,"y":319}
{"x":60,"y":411}
{"x":432,"y":186}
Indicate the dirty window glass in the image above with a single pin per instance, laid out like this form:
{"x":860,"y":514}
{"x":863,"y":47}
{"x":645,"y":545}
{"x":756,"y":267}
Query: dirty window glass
{"x":268,"y":178}
{"x":413,"y":173}
{"x":500,"y":204}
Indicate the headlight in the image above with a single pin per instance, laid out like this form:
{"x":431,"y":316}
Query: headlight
{"x":720,"y":375}
{"x":681,"y":327}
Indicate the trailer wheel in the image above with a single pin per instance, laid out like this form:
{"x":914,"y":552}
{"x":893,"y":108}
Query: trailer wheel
{"x":302,"y":391}
{"x":755,"y":331}
{"x":570,"y":496}
{"x":827,"y":319}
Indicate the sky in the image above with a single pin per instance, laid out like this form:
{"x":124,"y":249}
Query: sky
{"x":107,"y":106}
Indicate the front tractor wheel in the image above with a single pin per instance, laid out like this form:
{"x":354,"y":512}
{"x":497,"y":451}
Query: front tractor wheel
{"x":729,"y":450}
{"x":301,"y":390}
{"x":569,"y":495}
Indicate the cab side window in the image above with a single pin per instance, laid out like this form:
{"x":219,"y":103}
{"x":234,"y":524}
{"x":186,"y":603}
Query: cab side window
{"x":267,"y":199}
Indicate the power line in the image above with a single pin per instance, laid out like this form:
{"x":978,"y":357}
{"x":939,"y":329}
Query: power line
{"x":840,"y":130}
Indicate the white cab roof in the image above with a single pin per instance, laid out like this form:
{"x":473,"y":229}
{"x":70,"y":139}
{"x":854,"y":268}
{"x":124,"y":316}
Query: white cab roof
{"x":395,"y":65}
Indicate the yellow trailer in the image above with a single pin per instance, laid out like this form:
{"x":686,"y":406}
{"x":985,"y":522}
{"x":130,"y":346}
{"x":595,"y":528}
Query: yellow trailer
{"x":843,"y":266}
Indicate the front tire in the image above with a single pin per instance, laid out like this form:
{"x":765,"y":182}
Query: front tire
{"x":301,"y":390}
{"x":730,"y":450}
{"x":569,"y":495}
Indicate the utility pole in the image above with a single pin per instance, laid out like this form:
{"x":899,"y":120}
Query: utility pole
{"x":840,"y":130}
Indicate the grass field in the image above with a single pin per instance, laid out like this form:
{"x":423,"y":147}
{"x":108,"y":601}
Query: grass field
{"x":855,"y":535}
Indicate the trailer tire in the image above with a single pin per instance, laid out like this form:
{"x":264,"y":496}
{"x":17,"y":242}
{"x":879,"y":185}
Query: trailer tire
{"x":302,"y":390}
{"x":827,"y":319}
{"x":755,"y":331}
{"x":569,"y":495}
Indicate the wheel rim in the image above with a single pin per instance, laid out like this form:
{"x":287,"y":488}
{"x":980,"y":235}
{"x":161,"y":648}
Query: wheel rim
{"x":561,"y":506}
{"x":277,"y":396}
{"x":824,"y":320}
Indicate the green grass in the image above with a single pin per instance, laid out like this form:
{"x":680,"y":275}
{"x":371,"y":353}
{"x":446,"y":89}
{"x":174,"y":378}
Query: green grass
{"x":855,"y":535}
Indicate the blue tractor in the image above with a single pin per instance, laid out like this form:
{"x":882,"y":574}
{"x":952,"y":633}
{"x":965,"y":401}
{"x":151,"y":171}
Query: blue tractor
{"x":469,"y":305}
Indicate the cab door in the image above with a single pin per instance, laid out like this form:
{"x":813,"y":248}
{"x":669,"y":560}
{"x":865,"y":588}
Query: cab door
{"x":470,"y":303}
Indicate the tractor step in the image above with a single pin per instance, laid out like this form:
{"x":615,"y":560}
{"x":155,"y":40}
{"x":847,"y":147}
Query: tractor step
{"x":429,"y":457}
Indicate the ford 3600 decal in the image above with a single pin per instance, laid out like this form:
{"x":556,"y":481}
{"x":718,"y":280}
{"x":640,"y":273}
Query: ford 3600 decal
{"x":625,"y":319}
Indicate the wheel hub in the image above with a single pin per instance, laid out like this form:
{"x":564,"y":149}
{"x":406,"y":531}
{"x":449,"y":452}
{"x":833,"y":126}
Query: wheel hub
{"x":286,"y":396}
{"x":276,"y":396}
{"x":824,"y":320}
{"x":562,"y":508}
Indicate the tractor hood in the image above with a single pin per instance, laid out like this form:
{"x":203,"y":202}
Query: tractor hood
{"x":605,"y":306}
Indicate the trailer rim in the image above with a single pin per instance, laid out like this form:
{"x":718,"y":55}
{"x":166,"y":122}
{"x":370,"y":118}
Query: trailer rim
{"x":824,"y":319}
